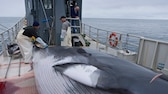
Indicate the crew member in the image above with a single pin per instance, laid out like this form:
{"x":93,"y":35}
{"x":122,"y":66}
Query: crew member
{"x":65,"y":25}
{"x":65,"y":32}
{"x":25,"y":40}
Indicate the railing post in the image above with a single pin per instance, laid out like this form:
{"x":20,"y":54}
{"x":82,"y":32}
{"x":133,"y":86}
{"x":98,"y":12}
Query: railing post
{"x":107,"y":38}
{"x":83,"y":28}
{"x":81,"y":32}
{"x":13,"y":37}
{"x":3,"y":45}
{"x":97,"y":38}
{"x":153,"y":64}
{"x":9,"y":36}
{"x":120,"y":41}
{"x":126,"y":41}
{"x":15,"y":30}
{"x":141,"y":44}
{"x":89,"y":31}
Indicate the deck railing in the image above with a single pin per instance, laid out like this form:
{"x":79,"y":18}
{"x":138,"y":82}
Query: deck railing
{"x":150,"y":53}
{"x":125,"y":41}
{"x":8,"y":36}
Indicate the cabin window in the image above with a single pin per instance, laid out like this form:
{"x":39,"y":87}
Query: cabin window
{"x":47,"y":4}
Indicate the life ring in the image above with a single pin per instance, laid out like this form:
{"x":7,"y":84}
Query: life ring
{"x":113,"y":39}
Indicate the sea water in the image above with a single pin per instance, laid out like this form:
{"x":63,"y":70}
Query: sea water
{"x":8,"y":22}
{"x":155,"y":29}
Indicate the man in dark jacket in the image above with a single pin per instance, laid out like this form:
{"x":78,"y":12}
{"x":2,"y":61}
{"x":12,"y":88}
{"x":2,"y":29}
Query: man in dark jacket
{"x":75,"y":14}
{"x":24,"y":40}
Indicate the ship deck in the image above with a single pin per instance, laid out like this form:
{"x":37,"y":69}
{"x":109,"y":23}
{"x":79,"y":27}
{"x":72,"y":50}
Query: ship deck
{"x":16,"y":77}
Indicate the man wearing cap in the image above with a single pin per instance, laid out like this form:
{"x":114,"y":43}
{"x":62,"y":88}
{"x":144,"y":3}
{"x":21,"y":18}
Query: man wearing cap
{"x":24,"y":40}
{"x":65,"y":32}
{"x":65,"y":25}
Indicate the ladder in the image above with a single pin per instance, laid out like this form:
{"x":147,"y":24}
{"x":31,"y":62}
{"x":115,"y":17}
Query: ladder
{"x":76,"y":31}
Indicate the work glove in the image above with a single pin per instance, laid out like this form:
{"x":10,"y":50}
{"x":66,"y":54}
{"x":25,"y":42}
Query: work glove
{"x":63,"y":34}
{"x":39,"y":40}
{"x":33,"y":39}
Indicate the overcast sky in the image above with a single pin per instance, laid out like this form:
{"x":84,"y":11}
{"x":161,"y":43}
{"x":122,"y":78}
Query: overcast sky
{"x":140,"y":9}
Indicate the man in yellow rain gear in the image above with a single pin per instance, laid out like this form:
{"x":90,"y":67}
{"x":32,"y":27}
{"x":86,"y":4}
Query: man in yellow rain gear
{"x":24,"y":40}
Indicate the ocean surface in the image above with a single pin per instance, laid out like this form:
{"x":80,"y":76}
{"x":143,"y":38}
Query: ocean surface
{"x":8,"y":22}
{"x":155,"y":29}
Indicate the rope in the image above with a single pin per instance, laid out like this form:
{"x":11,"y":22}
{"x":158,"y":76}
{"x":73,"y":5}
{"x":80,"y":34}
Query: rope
{"x":47,"y":23}
{"x":50,"y":32}
{"x":45,"y":15}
